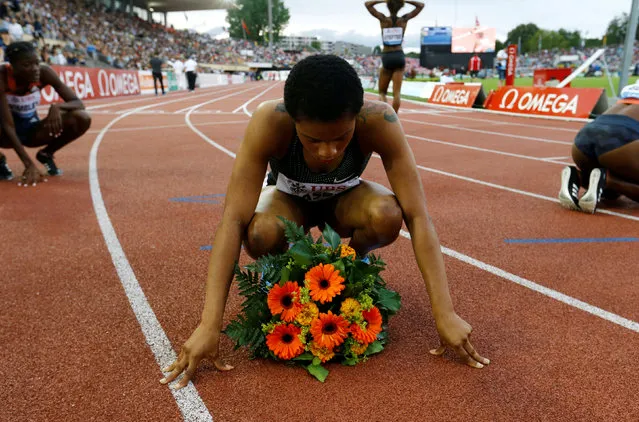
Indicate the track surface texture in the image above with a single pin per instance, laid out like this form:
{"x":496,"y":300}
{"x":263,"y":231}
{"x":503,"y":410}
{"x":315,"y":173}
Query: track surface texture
{"x":103,"y":275}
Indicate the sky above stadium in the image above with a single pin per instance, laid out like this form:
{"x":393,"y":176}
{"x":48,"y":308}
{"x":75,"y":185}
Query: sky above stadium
{"x":348,"y":20}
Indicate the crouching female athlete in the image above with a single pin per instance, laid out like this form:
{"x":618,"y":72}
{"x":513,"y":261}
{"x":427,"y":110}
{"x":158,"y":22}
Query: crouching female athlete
{"x":20,"y":83}
{"x":318,"y":142}
{"x":606,"y":152}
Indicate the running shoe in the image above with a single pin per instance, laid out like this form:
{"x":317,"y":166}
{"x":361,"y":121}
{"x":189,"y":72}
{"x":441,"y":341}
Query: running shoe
{"x":48,"y":163}
{"x":5,"y":171}
{"x":569,"y":191}
{"x":589,"y":202}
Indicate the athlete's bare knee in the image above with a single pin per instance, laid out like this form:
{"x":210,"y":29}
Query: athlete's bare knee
{"x":385,"y":218}
{"x":264,"y":235}
{"x":80,"y":122}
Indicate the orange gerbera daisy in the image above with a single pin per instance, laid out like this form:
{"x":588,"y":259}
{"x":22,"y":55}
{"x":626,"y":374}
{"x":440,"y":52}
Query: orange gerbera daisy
{"x":285,"y":300}
{"x":346,"y":250}
{"x":329,"y":330}
{"x":324,"y":282}
{"x":358,"y":348}
{"x":373,"y":320}
{"x":284,"y":341}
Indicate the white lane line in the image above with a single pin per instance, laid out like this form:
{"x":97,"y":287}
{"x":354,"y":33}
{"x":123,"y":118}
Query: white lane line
{"x":188,"y":399}
{"x":187,"y":109}
{"x":569,"y":300}
{"x":489,"y":132}
{"x":492,"y":151}
{"x":513,"y":190}
{"x":137,"y":129}
{"x":245,"y":105}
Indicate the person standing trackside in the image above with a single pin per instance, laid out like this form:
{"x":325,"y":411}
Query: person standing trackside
{"x":474,"y":65}
{"x":156,"y":70}
{"x":190,"y":67}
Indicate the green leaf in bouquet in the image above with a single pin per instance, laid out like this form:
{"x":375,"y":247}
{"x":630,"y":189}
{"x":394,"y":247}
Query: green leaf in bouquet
{"x":316,"y":361}
{"x":388,"y":300}
{"x":292,"y":231}
{"x":374,"y":347}
{"x":331,"y":236}
{"x":318,"y":371}
{"x":285,"y":275}
{"x":302,"y":253}
{"x":339,"y":265}
{"x":350,"y":361}
{"x":306,"y":356}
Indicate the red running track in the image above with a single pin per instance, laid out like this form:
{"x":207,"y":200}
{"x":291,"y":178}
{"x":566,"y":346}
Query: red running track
{"x":557,"y":320}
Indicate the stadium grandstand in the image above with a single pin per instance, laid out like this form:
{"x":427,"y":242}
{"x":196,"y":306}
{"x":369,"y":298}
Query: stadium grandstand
{"x":124,"y":34}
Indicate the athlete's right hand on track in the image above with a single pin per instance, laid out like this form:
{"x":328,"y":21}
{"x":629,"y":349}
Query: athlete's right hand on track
{"x":31,"y":176}
{"x":203,"y":343}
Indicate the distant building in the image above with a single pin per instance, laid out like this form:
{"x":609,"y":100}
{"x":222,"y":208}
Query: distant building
{"x":329,"y":47}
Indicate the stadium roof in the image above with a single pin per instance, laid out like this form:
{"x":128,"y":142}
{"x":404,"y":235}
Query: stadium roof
{"x":183,"y":5}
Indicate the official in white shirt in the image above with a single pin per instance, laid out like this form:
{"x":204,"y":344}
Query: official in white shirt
{"x":190,"y":67}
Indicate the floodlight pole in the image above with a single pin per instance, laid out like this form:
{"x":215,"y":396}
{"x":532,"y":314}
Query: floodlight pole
{"x":628,"y":49}
{"x":270,"y":24}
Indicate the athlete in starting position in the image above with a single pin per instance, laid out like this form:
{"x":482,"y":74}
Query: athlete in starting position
{"x":606,"y":152}
{"x":393,"y":58}
{"x":318,"y":143}
{"x":20,"y":83}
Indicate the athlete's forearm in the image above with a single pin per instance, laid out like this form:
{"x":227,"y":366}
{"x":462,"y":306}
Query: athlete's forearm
{"x":415,"y":3}
{"x":431,"y":264}
{"x":71,"y":105}
{"x":225,"y":253}
{"x":10,"y":132}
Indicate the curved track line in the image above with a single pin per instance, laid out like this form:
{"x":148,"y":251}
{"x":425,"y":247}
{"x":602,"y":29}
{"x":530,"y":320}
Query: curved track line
{"x":245,"y":105}
{"x":561,"y":297}
{"x":188,"y":399}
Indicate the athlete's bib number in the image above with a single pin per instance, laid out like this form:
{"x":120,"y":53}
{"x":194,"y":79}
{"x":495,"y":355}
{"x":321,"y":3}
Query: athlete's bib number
{"x":392,"y":36}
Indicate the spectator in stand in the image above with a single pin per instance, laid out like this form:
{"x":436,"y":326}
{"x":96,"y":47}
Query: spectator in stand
{"x":474,"y":65}
{"x":15,"y":30}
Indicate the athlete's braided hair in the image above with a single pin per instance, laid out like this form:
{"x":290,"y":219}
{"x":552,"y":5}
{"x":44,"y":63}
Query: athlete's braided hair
{"x":323,"y":87}
{"x":394,"y":6}
{"x":17,"y":49}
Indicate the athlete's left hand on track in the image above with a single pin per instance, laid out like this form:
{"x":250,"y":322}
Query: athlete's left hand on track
{"x":454,"y":332}
{"x":54,"y":121}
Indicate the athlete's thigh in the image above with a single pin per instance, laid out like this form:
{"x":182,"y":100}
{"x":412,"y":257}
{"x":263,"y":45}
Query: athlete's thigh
{"x":352,"y":209}
{"x":623,"y":162}
{"x":273,"y":202}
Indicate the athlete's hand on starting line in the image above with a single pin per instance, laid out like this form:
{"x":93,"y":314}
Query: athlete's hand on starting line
{"x":454,"y":332}
{"x":31,"y":176}
{"x":203,"y":344}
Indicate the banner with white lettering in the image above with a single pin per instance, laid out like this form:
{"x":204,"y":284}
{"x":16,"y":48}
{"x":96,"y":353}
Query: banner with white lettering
{"x":455,"y":94}
{"x":547,"y":101}
{"x":92,"y":83}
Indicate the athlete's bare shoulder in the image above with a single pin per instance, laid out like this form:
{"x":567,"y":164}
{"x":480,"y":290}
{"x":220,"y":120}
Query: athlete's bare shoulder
{"x":375,"y":113}
{"x":274,"y":124}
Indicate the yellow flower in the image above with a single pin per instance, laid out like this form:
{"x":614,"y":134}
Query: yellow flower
{"x":321,"y":352}
{"x":351,"y":309}
{"x":358,"y":348}
{"x":307,"y":314}
{"x":346,"y":251}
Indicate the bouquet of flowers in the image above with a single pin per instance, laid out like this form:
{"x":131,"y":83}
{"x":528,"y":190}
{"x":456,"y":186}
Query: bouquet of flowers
{"x":315,"y":303}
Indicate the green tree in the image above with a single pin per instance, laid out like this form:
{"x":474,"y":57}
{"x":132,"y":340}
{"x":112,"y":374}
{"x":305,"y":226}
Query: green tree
{"x":316,"y":45}
{"x":527,"y":32}
{"x":255,"y":14}
{"x":617,"y":28}
{"x":499,"y":45}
